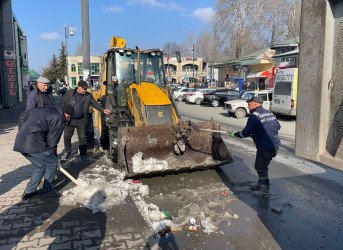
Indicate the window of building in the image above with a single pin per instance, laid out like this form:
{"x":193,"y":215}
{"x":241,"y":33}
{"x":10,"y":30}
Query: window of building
{"x":73,"y":80}
{"x":73,"y":68}
{"x":95,"y":68}
{"x":189,"y":68}
{"x":80,"y":68}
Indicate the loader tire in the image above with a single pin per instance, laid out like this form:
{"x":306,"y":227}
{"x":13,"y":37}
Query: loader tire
{"x":113,"y":149}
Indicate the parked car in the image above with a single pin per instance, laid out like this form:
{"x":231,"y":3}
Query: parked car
{"x":179,"y":93}
{"x":197,"y":96}
{"x":218,"y":97}
{"x":239,"y":107}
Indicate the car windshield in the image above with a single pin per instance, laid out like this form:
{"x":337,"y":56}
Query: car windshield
{"x":247,"y":95}
{"x":151,"y":67}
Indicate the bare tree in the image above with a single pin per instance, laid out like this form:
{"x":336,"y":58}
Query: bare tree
{"x":235,"y":19}
{"x":293,"y":22}
{"x":186,"y":45}
{"x":170,"y":48}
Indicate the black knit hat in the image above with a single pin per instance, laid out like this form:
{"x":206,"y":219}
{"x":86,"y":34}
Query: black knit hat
{"x":83,"y":84}
{"x":255,"y":99}
{"x":68,"y":109}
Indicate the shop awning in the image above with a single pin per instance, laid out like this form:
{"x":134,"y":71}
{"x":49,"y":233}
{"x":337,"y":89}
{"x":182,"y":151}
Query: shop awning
{"x":259,"y":74}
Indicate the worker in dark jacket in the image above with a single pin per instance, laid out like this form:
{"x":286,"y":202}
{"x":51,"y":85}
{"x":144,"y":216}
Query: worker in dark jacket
{"x":80,"y":99}
{"x":40,"y":96}
{"x":40,"y":130}
{"x":263,"y":127}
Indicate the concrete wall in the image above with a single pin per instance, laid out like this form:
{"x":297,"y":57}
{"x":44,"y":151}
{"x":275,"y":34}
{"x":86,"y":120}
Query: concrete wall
{"x":319,"y":128}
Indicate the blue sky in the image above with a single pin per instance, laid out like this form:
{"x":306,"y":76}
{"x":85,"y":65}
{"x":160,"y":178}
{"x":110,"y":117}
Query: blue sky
{"x":146,"y":23}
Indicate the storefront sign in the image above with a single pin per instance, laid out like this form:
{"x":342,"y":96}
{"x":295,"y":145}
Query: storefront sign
{"x":10,"y":76}
{"x":236,"y":74}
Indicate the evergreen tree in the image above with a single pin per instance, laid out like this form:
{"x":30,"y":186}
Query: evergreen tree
{"x":51,"y":72}
{"x":62,"y":63}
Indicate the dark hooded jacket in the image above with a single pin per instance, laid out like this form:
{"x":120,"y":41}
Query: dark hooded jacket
{"x":35,"y":99}
{"x":263,"y":127}
{"x":40,"y":130}
{"x":69,"y":98}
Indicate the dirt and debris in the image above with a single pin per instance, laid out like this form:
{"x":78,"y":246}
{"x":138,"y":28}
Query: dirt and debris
{"x":103,"y":187}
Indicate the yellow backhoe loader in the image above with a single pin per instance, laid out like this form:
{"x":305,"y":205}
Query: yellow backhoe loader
{"x":144,"y":133}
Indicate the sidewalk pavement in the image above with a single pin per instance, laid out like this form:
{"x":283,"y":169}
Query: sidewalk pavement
{"x":42,"y":223}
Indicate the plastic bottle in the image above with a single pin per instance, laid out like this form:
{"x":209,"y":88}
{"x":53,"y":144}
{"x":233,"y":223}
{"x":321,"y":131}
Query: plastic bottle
{"x":166,"y":213}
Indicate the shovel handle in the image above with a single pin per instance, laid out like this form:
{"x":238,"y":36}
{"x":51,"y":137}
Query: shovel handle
{"x":69,"y":176}
{"x":211,"y":130}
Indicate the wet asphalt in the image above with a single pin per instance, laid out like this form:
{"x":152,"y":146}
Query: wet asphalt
{"x":302,"y":212}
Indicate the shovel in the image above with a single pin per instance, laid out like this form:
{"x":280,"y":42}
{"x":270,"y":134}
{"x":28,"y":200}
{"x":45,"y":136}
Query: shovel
{"x":68,"y":175}
{"x":211,"y":130}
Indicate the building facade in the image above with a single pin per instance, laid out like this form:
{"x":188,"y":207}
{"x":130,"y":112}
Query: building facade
{"x":188,"y":71}
{"x":13,"y":57}
{"x":75,"y":69}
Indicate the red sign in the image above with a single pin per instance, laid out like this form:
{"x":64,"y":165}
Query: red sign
{"x":236,"y":74}
{"x":272,"y":75}
{"x":10,"y":76}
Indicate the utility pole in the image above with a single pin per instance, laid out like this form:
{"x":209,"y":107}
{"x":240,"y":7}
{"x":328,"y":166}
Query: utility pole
{"x":85,"y":41}
{"x":193,"y":61}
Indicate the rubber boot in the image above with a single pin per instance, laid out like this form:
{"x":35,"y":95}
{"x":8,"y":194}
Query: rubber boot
{"x":257,"y":186}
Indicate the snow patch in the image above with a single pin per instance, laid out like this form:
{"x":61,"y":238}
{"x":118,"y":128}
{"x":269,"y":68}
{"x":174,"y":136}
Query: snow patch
{"x":148,"y":165}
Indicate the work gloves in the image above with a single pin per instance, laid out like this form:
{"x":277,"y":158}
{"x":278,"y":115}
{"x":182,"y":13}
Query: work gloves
{"x":233,"y":133}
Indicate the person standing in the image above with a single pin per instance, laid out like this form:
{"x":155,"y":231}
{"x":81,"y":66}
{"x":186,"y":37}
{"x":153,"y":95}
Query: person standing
{"x":80,"y":99}
{"x":40,"y":130}
{"x":263,"y":127}
{"x":244,"y":86}
{"x":40,"y":96}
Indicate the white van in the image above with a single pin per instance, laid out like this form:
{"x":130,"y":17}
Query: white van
{"x":285,"y":92}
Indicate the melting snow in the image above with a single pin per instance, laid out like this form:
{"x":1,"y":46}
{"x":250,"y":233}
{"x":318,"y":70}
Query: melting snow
{"x":143,"y":166}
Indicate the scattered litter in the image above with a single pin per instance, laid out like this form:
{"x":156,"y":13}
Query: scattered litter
{"x":167,"y":213}
{"x":135,"y":181}
{"x":277,"y":210}
{"x":176,"y":229}
{"x":207,"y":224}
{"x":193,"y":228}
{"x":192,"y":221}
{"x":223,"y":192}
{"x":235,"y":217}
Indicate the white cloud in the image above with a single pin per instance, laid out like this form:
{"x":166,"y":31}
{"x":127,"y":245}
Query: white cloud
{"x":113,"y":9}
{"x":49,"y":35}
{"x":156,"y":4}
{"x":204,"y":14}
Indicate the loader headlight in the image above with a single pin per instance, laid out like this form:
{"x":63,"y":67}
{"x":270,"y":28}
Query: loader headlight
{"x":129,"y":53}
{"x":121,"y":51}
{"x":153,"y":54}
{"x":158,"y":53}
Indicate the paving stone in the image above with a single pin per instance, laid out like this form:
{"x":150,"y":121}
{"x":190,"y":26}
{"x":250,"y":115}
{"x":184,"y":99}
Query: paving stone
{"x":76,"y":236}
{"x":135,"y":243}
{"x":74,"y":223}
{"x":46,"y":241}
{"x":86,"y":235}
{"x":66,"y":245}
{"x":37,"y":236}
{"x":60,"y":231}
{"x":21,"y":225}
{"x":26,"y":244}
{"x":118,"y":237}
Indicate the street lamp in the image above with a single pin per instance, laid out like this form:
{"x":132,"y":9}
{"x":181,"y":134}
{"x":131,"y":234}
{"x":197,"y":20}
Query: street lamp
{"x":68,"y":31}
{"x":193,"y":60}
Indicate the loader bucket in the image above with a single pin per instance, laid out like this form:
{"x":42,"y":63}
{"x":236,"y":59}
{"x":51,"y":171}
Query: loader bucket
{"x":150,"y":150}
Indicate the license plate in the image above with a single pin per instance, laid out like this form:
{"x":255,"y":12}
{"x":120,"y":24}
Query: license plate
{"x":277,"y":101}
